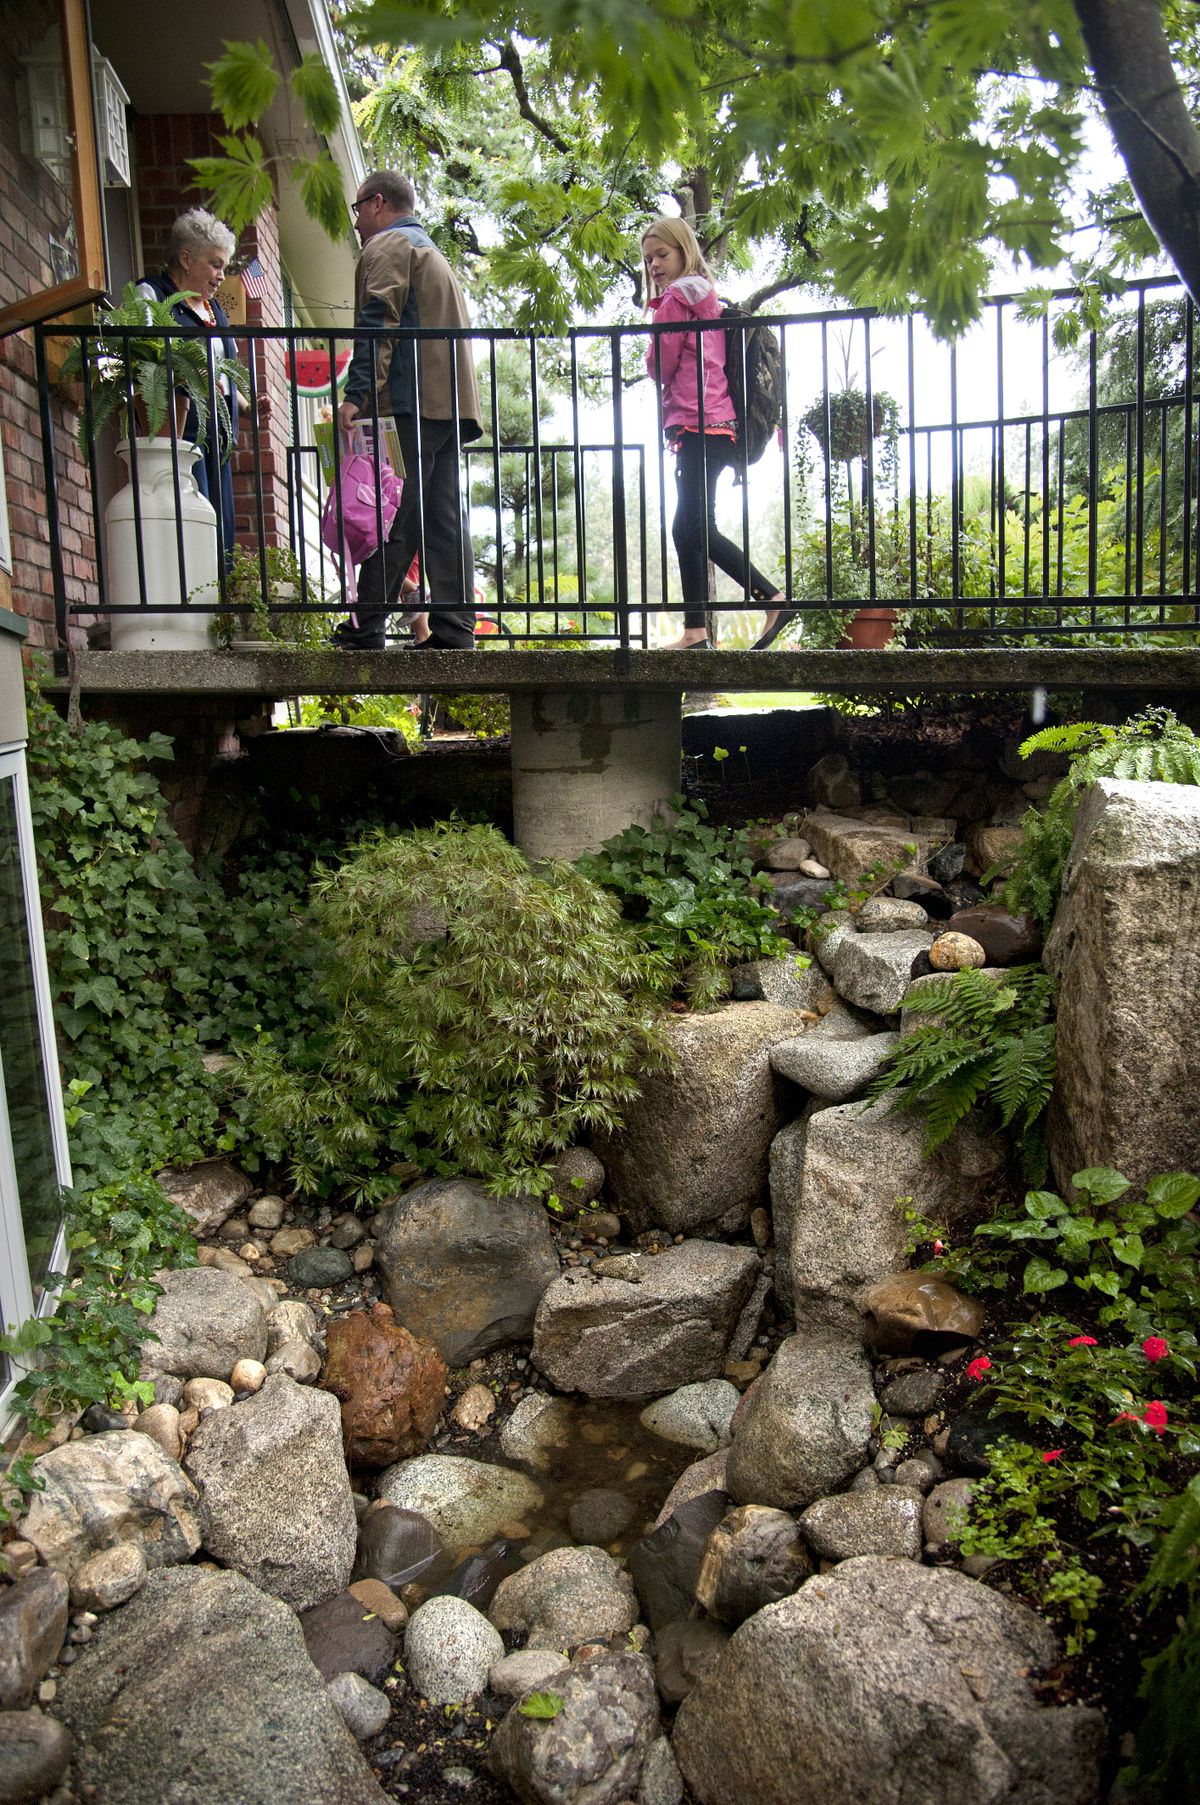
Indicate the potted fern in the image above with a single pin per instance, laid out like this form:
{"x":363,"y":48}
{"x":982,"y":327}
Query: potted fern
{"x":145,"y":366}
{"x":139,"y":378}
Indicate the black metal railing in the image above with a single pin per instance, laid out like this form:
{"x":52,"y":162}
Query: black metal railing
{"x":1034,"y":483}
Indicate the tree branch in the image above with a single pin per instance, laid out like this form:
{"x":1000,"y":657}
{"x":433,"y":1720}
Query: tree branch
{"x":1148,"y":116}
{"x":510,"y":60}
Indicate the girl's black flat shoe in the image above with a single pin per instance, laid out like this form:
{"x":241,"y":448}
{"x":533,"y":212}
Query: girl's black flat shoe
{"x":785,"y":618}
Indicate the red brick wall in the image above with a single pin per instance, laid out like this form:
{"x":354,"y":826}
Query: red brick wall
{"x":163,"y":143}
{"x":31,"y":207}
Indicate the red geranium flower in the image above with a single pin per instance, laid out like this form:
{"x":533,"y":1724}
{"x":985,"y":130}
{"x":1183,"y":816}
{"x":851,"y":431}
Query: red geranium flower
{"x":1155,"y":1348}
{"x":1155,"y":1416}
{"x":1125,"y":1416}
{"x":1082,"y":1341}
{"x":1053,"y":1454}
{"x":980,"y":1365}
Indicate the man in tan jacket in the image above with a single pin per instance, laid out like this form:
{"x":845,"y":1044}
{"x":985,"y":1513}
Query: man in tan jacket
{"x":428,"y":384}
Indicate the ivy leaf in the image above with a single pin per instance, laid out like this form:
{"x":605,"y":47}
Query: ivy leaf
{"x":314,"y":86}
{"x":540,"y":1704}
{"x":243,"y":82}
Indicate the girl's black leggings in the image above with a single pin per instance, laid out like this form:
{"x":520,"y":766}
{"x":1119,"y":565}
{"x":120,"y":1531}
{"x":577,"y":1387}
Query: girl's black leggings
{"x":695,"y":507}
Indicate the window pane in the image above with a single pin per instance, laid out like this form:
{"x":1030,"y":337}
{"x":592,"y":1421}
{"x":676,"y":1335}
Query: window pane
{"x":21,"y":1049}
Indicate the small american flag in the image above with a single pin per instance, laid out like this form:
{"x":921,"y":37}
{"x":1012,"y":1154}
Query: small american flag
{"x":254,"y":279}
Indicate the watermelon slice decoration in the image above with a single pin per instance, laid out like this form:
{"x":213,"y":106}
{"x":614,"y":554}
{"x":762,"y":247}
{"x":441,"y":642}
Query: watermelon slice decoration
{"x":309,"y":370}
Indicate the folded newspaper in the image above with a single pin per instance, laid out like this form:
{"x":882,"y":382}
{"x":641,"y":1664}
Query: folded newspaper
{"x":362,"y":438}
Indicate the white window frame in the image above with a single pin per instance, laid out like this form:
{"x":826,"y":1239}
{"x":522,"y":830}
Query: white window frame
{"x":17,"y":1302}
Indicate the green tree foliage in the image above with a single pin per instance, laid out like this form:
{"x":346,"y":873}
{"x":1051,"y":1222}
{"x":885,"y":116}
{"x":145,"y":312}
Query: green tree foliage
{"x":897,"y":146}
{"x":482,"y":1015}
{"x":240,"y":183}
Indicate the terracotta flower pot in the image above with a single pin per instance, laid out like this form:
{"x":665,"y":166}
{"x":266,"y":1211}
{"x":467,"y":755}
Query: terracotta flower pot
{"x":164,"y":431}
{"x":871,"y":629}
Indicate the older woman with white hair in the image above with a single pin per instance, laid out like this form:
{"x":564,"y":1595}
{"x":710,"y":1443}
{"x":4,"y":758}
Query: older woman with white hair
{"x":197,"y":258}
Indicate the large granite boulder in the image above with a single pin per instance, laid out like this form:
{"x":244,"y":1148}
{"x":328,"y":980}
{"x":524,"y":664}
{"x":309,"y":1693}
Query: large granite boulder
{"x":693,"y":1148}
{"x":275,"y":1494}
{"x":468,"y":1502}
{"x":205,"y":1322}
{"x":847,"y":845}
{"x":836,"y":1178}
{"x":107,"y":1489}
{"x":207,"y":1192}
{"x":807,"y":1423}
{"x":593,"y":1750}
{"x":873,"y":971}
{"x":1126,"y":950}
{"x":200,"y":1689}
{"x":462,"y":1268}
{"x":652,"y":1323}
{"x":33,"y":1627}
{"x":566,"y":1597}
{"x":884,"y":1682}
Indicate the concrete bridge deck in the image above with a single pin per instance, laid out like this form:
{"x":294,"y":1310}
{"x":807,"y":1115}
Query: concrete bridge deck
{"x":274,"y":674}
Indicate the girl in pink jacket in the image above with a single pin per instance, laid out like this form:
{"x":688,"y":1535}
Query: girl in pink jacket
{"x":679,"y":287}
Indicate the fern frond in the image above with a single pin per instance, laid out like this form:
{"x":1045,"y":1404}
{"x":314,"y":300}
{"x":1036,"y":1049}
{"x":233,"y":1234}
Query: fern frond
{"x":945,"y":1107}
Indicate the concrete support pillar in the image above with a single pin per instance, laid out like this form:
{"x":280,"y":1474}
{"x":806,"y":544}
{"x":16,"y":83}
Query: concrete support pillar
{"x":588,"y":762}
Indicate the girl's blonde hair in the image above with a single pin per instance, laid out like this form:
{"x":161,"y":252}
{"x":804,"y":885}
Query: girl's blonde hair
{"x":678,"y":233}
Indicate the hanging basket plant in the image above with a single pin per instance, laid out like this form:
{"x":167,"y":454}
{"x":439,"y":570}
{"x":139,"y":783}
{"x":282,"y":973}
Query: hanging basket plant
{"x":843,"y":424}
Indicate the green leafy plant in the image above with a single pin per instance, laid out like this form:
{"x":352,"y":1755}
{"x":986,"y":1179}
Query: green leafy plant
{"x":119,"y":1235}
{"x":145,"y":367}
{"x":1107,"y":1403}
{"x":253,"y":608}
{"x":1152,"y":746}
{"x":1134,"y":1254}
{"x":481,"y":1016}
{"x":1167,"y":1750}
{"x":991,"y":1046}
{"x":125,"y":944}
{"x":540,"y":1704}
{"x":689,"y":891}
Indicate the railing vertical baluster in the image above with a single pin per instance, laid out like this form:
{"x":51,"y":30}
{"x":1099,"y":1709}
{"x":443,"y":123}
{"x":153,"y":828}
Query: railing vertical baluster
{"x":956,"y":488}
{"x":180,"y":555}
{"x":1189,"y":445}
{"x":620,"y":550}
{"x":911,"y":398}
{"x":1001,"y":477}
{"x":1140,"y":443}
{"x":495,"y":472}
{"x":1093,"y":461}
{"x":827,"y":463}
{"x":581,"y":579}
{"x":789,"y":572}
{"x":58,"y":576}
{"x":1046,"y":459}
{"x":869,"y":463}
{"x":536,"y":435}
{"x":89,"y":419}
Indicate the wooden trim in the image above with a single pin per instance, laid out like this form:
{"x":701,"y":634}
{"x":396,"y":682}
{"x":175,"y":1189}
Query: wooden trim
{"x":92,"y":278}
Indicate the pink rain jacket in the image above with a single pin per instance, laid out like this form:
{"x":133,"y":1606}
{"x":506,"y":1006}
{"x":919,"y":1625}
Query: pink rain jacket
{"x":689,"y":298}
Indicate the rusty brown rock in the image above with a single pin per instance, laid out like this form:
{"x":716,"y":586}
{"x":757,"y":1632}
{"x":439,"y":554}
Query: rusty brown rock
{"x":907,"y":1304}
{"x":390,"y":1386}
{"x":953,"y":951}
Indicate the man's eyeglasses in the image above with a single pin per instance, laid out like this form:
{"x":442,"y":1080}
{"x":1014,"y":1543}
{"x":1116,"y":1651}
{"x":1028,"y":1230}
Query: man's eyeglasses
{"x":362,"y":201}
